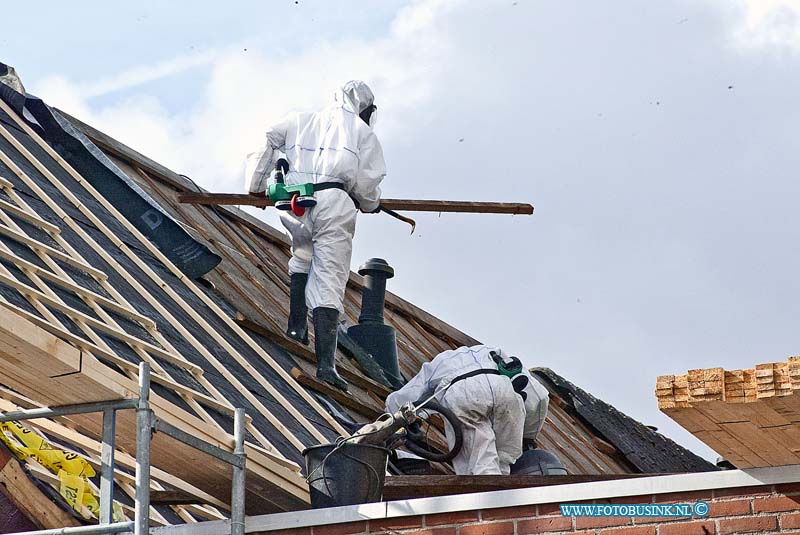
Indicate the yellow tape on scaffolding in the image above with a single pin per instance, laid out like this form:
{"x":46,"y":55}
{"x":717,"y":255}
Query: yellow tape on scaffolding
{"x":72,"y":470}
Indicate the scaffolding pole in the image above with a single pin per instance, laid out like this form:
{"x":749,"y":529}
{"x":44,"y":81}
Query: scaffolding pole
{"x":237,"y":487}
{"x":146,"y":425}
{"x":106,"y":515}
{"x":66,"y":410}
{"x":144,"y":428}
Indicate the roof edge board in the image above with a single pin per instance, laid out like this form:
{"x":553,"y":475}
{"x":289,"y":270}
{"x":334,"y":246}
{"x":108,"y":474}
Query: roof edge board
{"x":502,"y":498}
{"x":28,"y":498}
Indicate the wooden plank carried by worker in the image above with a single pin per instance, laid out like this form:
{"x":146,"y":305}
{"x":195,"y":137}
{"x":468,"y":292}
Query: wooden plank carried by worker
{"x":255,"y":228}
{"x":473,"y":207}
{"x":409,"y":205}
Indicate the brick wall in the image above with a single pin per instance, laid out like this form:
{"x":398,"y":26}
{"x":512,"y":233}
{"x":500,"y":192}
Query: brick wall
{"x":753,"y":510}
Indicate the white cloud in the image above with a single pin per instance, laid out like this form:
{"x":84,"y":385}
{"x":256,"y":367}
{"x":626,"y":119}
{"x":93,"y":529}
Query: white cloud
{"x":147,"y":73}
{"x":769,"y":23}
{"x":245,"y":93}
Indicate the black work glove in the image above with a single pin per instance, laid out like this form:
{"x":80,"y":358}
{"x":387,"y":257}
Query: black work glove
{"x":520,"y":382}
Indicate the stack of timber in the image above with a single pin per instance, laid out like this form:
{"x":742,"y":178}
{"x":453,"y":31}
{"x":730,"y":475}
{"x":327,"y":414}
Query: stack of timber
{"x":751,"y":417}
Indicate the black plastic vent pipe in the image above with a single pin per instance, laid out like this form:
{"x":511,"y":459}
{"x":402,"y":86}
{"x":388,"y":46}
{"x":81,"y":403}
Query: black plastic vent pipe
{"x":372,"y":333}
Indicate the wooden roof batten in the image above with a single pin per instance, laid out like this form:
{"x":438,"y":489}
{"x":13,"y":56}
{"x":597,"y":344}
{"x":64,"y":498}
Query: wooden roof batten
{"x":26,"y":350}
{"x":37,"y":289}
{"x":152,"y":249}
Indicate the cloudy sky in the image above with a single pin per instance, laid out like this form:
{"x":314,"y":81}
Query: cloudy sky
{"x":657,"y":140}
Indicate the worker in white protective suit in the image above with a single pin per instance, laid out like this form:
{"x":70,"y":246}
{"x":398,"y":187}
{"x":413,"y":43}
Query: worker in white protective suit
{"x":499,"y":412}
{"x":337,"y":150}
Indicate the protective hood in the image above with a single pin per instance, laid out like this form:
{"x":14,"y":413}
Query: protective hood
{"x":355,"y":96}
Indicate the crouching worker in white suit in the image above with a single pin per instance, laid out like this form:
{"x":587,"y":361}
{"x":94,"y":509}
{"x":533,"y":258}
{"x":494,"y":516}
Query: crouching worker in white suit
{"x":338,"y":151}
{"x":498,"y":412}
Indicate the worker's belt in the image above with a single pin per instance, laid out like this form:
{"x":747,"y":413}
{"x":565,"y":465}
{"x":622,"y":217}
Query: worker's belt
{"x":519,"y":382}
{"x":334,"y":185}
{"x":322,"y":186}
{"x":473,"y":373}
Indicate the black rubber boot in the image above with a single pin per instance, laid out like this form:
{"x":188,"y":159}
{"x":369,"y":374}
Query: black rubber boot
{"x":298,"y":311}
{"x":326,"y":322}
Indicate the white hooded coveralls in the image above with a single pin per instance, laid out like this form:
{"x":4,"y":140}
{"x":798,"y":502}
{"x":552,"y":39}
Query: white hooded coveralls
{"x":333,"y":145}
{"x":493,"y":417}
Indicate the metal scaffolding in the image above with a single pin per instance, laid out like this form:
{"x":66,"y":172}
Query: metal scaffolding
{"x":146,"y":424}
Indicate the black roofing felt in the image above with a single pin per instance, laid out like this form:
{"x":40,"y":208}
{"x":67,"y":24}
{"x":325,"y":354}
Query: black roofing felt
{"x":191,"y":257}
{"x":648,"y":450}
{"x":138,"y":302}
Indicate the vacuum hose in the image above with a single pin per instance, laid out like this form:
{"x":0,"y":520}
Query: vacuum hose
{"x":416,"y":443}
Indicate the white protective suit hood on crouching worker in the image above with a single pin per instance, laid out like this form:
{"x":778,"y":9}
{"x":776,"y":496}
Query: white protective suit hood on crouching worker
{"x":337,"y":150}
{"x":495,"y":418}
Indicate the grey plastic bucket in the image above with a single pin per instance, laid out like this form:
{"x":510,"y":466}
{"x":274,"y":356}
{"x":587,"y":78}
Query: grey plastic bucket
{"x":352,"y":474}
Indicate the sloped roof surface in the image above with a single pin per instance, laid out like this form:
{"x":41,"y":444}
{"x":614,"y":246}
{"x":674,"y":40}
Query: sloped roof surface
{"x":420,"y":335}
{"x":72,"y":264}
